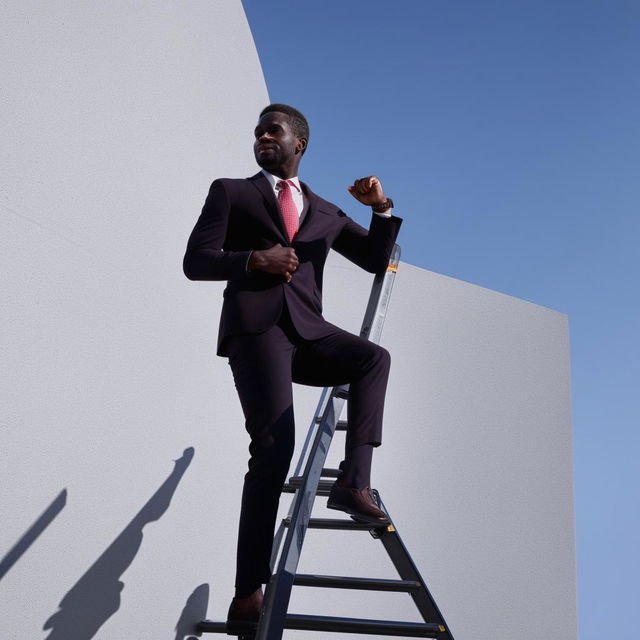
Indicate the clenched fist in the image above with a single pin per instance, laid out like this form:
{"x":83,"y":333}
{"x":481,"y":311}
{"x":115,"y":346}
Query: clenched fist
{"x":368,"y":191}
{"x":279,"y":260}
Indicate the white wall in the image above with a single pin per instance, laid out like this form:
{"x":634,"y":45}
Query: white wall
{"x":116,"y":117}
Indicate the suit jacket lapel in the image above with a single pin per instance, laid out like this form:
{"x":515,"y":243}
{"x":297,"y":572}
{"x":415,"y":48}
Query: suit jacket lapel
{"x":260,"y":182}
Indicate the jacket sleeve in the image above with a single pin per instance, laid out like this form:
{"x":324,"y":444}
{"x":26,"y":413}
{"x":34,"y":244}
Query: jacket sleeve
{"x":205,"y":258}
{"x":371,"y":249}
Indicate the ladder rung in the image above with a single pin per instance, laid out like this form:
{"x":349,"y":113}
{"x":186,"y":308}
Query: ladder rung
{"x":342,"y":393}
{"x":368,"y":584}
{"x":362,"y":625}
{"x":325,"y":473}
{"x":340,"y":426}
{"x":324,"y":486}
{"x":341,"y":523}
{"x":333,"y":624}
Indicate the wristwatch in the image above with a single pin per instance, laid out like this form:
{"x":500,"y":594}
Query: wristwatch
{"x":384,"y":207}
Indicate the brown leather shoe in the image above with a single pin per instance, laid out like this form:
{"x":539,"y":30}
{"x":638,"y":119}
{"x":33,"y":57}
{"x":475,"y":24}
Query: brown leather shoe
{"x":246,"y":609}
{"x":358,"y":503}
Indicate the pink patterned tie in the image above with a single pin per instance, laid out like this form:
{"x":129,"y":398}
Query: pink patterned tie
{"x":288,"y":208}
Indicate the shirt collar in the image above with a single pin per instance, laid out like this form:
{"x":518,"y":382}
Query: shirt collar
{"x":273,"y":180}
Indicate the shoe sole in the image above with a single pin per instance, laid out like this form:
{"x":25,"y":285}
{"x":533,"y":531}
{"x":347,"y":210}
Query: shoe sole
{"x":358,"y":517}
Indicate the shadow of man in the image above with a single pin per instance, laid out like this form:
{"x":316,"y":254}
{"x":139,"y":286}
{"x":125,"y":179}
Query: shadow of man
{"x":96,"y":595}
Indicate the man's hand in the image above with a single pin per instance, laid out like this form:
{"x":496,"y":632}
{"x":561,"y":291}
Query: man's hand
{"x":279,"y":260}
{"x":368,"y":191}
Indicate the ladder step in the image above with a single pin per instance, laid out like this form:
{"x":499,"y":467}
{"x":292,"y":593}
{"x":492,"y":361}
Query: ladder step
{"x":341,"y":524}
{"x":324,"y":486}
{"x":368,"y":584}
{"x":341,"y":425}
{"x":333,"y":624}
{"x":362,"y":625}
{"x":325,"y":473}
{"x":342,"y":393}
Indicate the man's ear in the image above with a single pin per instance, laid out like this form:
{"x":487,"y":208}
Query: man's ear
{"x":301,"y":145}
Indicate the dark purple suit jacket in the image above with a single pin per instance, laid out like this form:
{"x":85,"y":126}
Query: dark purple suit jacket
{"x":241,"y":215}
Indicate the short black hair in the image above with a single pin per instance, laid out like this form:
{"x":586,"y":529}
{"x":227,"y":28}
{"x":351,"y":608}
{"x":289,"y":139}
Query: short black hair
{"x":299,"y":123}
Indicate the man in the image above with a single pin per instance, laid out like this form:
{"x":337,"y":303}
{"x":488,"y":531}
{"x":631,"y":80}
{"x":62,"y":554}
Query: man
{"x":269,"y":236}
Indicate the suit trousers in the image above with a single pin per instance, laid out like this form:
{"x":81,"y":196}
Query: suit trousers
{"x":264,"y":366}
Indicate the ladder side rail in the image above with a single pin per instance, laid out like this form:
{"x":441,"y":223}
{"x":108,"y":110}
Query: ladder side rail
{"x":278,"y":591}
{"x":277,"y":541}
{"x":324,"y":398}
{"x":407,"y":570}
{"x":371,"y":328}
{"x":379,"y":299}
{"x":322,"y":409}
{"x":279,"y":588}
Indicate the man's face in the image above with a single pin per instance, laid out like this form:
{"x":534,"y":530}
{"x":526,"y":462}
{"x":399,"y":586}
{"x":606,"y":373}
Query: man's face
{"x":276,"y":146}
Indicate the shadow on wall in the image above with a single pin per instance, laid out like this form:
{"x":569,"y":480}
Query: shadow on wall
{"x":194,"y":611}
{"x":32,"y":533}
{"x":96,"y":596}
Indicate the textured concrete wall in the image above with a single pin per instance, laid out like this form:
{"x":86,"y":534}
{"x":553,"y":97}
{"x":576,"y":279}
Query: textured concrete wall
{"x":123,"y":447}
{"x":116,"y":117}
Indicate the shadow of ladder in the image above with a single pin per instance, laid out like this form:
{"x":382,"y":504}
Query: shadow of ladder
{"x":314,"y":481}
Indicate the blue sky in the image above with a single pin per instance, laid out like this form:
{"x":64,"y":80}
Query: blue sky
{"x":508,"y":133}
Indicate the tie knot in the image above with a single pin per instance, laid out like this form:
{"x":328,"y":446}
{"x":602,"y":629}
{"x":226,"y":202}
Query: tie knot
{"x":284,"y":184}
